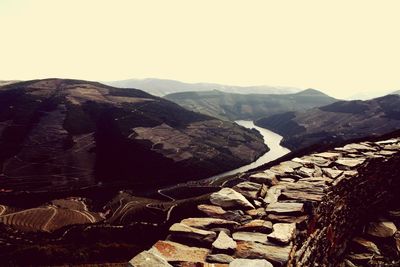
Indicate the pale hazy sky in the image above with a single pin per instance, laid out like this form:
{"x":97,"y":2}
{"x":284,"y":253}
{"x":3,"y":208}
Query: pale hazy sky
{"x":342,"y":47}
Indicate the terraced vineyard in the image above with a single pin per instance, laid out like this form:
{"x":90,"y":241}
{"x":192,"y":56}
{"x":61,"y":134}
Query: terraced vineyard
{"x":51,"y":217}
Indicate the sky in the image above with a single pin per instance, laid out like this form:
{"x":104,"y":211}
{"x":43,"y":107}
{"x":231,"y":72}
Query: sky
{"x":342,"y":47}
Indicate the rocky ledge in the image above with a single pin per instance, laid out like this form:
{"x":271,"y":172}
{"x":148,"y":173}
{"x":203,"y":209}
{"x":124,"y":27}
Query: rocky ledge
{"x":302,"y":212}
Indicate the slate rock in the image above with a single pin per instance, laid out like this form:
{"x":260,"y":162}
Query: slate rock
{"x":229,"y":198}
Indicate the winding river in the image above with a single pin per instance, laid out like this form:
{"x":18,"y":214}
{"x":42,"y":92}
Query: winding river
{"x":271,"y":139}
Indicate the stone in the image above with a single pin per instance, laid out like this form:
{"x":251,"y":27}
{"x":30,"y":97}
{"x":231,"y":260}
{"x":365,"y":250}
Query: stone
{"x":278,"y":255}
{"x":211,"y":210}
{"x":260,"y":212}
{"x":382,"y":229}
{"x":267,"y":177}
{"x":172,"y":251}
{"x":200,"y":264}
{"x":224,"y":242}
{"x":329,"y":155}
{"x":288,"y":180}
{"x":229,"y":198}
{"x":385,"y":142}
{"x":281,"y":169}
{"x":286,"y":218}
{"x":332,"y":173}
{"x":359,"y":147}
{"x":395,"y":147}
{"x":263,"y":191}
{"x":324,"y":180}
{"x":387,"y":152}
{"x":147,"y":258}
{"x":191,"y":232}
{"x":250,"y":263}
{"x":207,"y":223}
{"x":285,"y":208}
{"x":311,"y":161}
{"x":282,"y":233}
{"x":248,"y":189}
{"x":260,"y":226}
{"x":350,"y":162}
{"x":292,"y":164}
{"x":306,"y":172}
{"x":302,"y":196}
{"x":366,"y":245}
{"x":219,"y":258}
{"x":273,"y":194}
{"x":250,"y":236}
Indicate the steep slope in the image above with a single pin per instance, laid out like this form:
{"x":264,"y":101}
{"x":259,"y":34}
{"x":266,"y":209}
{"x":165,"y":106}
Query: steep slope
{"x":66,"y":134}
{"x":339,"y":121}
{"x":229,"y":106}
{"x":162,"y":87}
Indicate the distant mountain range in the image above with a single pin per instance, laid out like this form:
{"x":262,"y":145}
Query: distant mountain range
{"x":230,"y":106}
{"x":58,"y":134}
{"x":336,"y":122}
{"x":162,"y":87}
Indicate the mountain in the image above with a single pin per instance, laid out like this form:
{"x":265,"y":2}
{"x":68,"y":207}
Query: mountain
{"x":229,"y":106}
{"x":395,"y":92}
{"x":339,"y":121}
{"x":59,"y":134}
{"x":162,"y":87}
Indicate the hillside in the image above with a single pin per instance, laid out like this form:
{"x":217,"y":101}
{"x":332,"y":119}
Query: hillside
{"x":66,"y":134}
{"x":162,"y":87}
{"x":339,"y":121}
{"x":230,"y":106}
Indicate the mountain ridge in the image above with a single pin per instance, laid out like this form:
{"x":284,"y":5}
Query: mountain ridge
{"x":231,"y":106}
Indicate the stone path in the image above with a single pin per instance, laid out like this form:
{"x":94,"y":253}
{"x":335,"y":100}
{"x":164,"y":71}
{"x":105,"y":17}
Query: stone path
{"x":288,"y":215}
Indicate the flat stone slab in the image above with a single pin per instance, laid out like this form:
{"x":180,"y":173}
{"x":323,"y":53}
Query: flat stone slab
{"x":211,"y":210}
{"x":224,"y":242}
{"x":311,"y":161}
{"x":350,"y":162}
{"x":250,"y":236}
{"x":329,"y":155}
{"x":282,"y":233}
{"x":219,"y":258}
{"x":229,"y":198}
{"x":267,"y":177}
{"x":208,"y":223}
{"x":260,"y":226}
{"x":172,"y":251}
{"x":250,"y":263}
{"x":191,"y":232}
{"x":360,"y":147}
{"x":302,"y":196}
{"x":285,"y":207}
{"x":147,"y":258}
{"x":278,"y":255}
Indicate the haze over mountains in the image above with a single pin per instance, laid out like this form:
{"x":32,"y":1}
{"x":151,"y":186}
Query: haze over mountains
{"x":162,"y":87}
{"x":342,"y":120}
{"x":229,"y":106}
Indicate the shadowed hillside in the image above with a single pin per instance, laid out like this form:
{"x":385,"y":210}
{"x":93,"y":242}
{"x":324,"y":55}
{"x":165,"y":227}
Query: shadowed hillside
{"x":66,"y":134}
{"x":336,"y":122}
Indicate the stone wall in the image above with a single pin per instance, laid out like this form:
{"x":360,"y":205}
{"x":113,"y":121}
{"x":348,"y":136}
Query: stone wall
{"x":301,"y":212}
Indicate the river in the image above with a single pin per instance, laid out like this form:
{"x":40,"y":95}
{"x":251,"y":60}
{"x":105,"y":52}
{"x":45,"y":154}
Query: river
{"x":271,"y":139}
